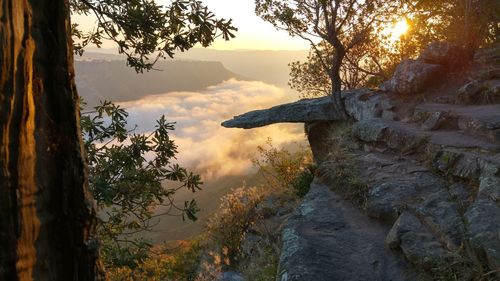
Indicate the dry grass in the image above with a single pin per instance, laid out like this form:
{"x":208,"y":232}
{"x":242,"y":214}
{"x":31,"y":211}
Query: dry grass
{"x":339,"y":170}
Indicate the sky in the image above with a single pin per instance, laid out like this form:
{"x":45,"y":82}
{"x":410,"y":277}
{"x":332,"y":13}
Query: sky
{"x":253,"y":33}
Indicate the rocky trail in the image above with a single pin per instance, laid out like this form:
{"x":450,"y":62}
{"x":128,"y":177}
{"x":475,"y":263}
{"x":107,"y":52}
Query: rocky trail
{"x":425,"y":204}
{"x":329,"y":239}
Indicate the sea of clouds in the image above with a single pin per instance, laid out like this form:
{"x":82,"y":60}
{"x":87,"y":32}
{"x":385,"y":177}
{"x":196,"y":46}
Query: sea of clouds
{"x":204,"y":145}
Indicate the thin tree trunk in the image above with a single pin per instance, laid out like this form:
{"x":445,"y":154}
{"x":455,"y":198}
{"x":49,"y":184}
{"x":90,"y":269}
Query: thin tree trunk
{"x":337,"y":82}
{"x":46,"y":212}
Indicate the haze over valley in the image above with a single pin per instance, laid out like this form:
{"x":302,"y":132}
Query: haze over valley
{"x":112,"y":80}
{"x":198,"y":92}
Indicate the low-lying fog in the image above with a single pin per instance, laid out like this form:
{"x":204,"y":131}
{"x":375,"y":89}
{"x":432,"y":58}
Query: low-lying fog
{"x":222,"y":156}
{"x":204,"y":145}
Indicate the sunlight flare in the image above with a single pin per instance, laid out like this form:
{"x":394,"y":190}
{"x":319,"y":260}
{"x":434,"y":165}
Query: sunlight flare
{"x":398,"y":29}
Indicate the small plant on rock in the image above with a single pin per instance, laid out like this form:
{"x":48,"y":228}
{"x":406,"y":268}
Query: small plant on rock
{"x":285,"y":171}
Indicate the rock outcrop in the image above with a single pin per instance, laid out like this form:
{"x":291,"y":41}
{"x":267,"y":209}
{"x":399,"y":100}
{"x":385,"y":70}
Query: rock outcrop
{"x":444,"y":53}
{"x":360,"y":104}
{"x":484,"y":84}
{"x":419,"y":194}
{"x":319,"y":244}
{"x":307,"y":110}
{"x":415,"y":76}
{"x":412,"y":77}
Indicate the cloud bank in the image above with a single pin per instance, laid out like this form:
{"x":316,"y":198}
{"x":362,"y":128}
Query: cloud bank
{"x":204,"y":145}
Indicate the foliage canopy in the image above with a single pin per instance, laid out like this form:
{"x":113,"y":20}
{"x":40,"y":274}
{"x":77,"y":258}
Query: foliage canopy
{"x":145,"y":31}
{"x":127,"y":171}
{"x":470,"y":23}
{"x":127,"y":176}
{"x":333,"y":28}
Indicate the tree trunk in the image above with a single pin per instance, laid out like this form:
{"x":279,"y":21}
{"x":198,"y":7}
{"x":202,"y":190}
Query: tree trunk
{"x":46,"y":211}
{"x":337,"y":82}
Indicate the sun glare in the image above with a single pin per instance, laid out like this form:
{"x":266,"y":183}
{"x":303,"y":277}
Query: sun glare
{"x":398,"y":29}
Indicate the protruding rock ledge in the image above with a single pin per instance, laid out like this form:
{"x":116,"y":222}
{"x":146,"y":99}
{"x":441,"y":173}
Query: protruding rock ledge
{"x":307,"y":110}
{"x":360,"y":104}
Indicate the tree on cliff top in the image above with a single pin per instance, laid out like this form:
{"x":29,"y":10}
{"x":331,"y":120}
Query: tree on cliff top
{"x":47,"y":216}
{"x":469,"y":23}
{"x":342,"y":25}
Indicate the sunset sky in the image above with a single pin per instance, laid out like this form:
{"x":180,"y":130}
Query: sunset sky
{"x":253,"y":33}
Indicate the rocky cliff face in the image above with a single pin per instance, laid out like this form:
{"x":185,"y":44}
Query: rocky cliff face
{"x":416,"y":194}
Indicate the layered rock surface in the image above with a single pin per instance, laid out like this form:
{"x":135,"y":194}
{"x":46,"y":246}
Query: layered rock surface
{"x":360,"y":104}
{"x":319,"y":244}
{"x":430,"y":173}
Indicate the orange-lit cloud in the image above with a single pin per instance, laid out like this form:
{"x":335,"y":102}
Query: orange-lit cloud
{"x":203,"y":144}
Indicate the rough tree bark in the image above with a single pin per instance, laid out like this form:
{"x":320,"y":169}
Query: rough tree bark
{"x":46,"y":211}
{"x":334,"y":73}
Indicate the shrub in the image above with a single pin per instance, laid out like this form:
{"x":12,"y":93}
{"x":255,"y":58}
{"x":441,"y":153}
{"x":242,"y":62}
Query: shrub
{"x":228,"y":227}
{"x":263,"y":264}
{"x":302,"y":182}
{"x":178,"y":263}
{"x":339,"y":169}
{"x":284,"y":170}
{"x":342,"y":175}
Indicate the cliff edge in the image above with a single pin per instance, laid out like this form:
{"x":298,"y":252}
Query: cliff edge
{"x":413,"y":191}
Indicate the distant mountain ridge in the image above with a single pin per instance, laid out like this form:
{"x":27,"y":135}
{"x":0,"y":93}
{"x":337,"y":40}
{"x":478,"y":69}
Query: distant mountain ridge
{"x":269,"y":66}
{"x":107,"y":78}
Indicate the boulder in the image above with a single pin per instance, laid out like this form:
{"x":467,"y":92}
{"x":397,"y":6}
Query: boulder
{"x":319,"y":137}
{"x":483,"y":220}
{"x":488,"y":55}
{"x":444,"y":53}
{"x":488,"y":62}
{"x":440,"y":213}
{"x":387,"y":199}
{"x":408,"y":138}
{"x":465,"y":164}
{"x":412,"y":77}
{"x":467,"y":93}
{"x":437,"y":120}
{"x":416,"y":242}
{"x":477,"y":120}
{"x":396,"y":135}
{"x":488,"y":72}
{"x":386,"y":194}
{"x":492,"y":93}
{"x":370,"y":130}
{"x":480,"y":92}
{"x":363,"y":104}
